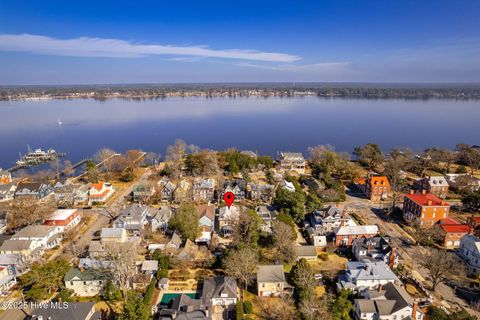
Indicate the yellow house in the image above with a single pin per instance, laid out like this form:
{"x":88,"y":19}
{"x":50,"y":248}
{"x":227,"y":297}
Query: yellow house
{"x":271,"y":280}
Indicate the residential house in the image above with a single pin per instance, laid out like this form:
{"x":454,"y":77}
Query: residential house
{"x":375,"y":188}
{"x":271,"y":281}
{"x":5,"y":177}
{"x":204,"y":189}
{"x":7,"y":191}
{"x":100,"y":192}
{"x":220,"y":294}
{"x":113,"y":235}
{"x":16,"y":264}
{"x":85,"y":283}
{"x":237,"y":187}
{"x":175,"y":241}
{"x":36,"y":190}
{"x":436,"y":185}
{"x":452,"y":231}
{"x":44,"y":237}
{"x":75,"y":311}
{"x":189,"y":252}
{"x":470,"y":253}
{"x":291,"y":162}
{"x":64,"y":218}
{"x":425,"y":209}
{"x":316,"y":238}
{"x":326,"y":220}
{"x":96,"y":249}
{"x":474,"y":223}
{"x":260,"y":192}
{"x":134,"y":218}
{"x":149,"y":267}
{"x":366,"y":275}
{"x":183,"y":191}
{"x":183,"y":307}
{"x":81,"y":195}
{"x":24,"y":248}
{"x":227,"y":217}
{"x":7,"y":281}
{"x":375,"y":249}
{"x":463,"y":182}
{"x":345,"y":235}
{"x":167,"y":189}
{"x":268,"y":214}
{"x":142,"y":192}
{"x":206,"y":222}
{"x":160,"y":220}
{"x":390,"y":302}
{"x":65,"y":195}
{"x":308,"y":253}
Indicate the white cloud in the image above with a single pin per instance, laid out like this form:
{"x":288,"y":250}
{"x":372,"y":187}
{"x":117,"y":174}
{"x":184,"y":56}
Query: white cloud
{"x":98,"y":47}
{"x":314,"y":67}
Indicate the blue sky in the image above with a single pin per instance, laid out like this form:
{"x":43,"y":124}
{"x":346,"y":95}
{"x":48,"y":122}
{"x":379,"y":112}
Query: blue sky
{"x":85,"y":42}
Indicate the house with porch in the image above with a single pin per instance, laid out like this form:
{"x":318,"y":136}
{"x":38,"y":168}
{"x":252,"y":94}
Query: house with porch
{"x":85,"y":283}
{"x":469,"y":251}
{"x":271,"y":281}
{"x":166,"y":189}
{"x":226,"y":218}
{"x":134,"y":217}
{"x":44,"y":237}
{"x":361,"y":276}
{"x":100,"y":192}
{"x":206,"y":222}
{"x":204,"y":189}
{"x":237,"y":187}
{"x":161,"y":218}
{"x":35,"y":190}
{"x":291,"y":162}
{"x":268,"y":214}
{"x":375,"y":249}
{"x":260,"y":192}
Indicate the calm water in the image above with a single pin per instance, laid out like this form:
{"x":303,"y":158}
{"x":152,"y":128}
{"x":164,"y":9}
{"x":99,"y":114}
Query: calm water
{"x":266,"y":125}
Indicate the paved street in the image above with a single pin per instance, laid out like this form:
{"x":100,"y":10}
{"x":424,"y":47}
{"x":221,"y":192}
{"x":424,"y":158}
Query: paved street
{"x":365,"y":209}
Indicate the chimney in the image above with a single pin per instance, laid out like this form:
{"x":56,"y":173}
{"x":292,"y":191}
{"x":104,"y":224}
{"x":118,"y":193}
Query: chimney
{"x":429,"y":202}
{"x":342,"y":219}
{"x":424,"y":191}
{"x":391,"y":260}
{"x":414,"y":310}
{"x":412,"y":191}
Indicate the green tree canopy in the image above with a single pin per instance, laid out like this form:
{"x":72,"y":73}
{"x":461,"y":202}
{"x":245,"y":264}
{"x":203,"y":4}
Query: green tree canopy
{"x":134,"y":308}
{"x":185,"y":221}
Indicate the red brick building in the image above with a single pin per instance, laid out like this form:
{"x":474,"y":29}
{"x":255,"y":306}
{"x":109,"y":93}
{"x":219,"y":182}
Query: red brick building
{"x":436,"y":185}
{"x":453,"y":231}
{"x":374,"y":188}
{"x":427,"y":209}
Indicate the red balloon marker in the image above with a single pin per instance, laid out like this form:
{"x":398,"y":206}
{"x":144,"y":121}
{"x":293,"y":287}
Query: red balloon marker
{"x":228,"y":197}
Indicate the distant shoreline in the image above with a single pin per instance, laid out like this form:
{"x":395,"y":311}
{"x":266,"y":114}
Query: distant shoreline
{"x":143,"y":92}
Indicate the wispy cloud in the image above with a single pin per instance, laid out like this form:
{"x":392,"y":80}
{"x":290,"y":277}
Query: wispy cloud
{"x":314,"y":67}
{"x":99,"y":47}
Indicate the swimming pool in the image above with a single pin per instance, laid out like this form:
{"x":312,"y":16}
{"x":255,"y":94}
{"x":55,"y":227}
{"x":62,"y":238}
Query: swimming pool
{"x":167,"y":297}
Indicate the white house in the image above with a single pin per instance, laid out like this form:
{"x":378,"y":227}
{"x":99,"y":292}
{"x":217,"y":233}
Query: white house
{"x":162,"y":217}
{"x":85,"y":283}
{"x":7,"y":191}
{"x":100,"y":192}
{"x":391,"y":302}
{"x":366,"y":275}
{"x":44,"y":237}
{"x":470,"y":253}
{"x":65,"y":219}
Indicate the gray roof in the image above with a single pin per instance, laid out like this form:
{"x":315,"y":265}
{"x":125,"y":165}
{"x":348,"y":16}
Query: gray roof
{"x":270,"y":273}
{"x":9,"y":258}
{"x":390,"y":299}
{"x":267,"y":213}
{"x":370,"y":270}
{"x":34,"y":231}
{"x":112,"y":232}
{"x":136,"y":212}
{"x":176,"y":239}
{"x":150,"y":265}
{"x":219,"y":287}
{"x":366,"y":305}
{"x":84,"y":275}
{"x":15,"y":245}
{"x":305,"y":251}
{"x":164,"y":213}
{"x":75,"y":311}
{"x":95,"y":246}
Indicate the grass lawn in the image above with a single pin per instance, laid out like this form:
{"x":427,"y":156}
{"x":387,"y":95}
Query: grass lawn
{"x":334,"y":263}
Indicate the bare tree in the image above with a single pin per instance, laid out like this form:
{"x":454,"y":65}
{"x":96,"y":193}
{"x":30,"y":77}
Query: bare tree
{"x":104,"y":156}
{"x":24,"y":212}
{"x":175,"y":156}
{"x":396,"y":162}
{"x":282,"y":241}
{"x":317,"y":153}
{"x":68,"y":169}
{"x":246,"y":229}
{"x":315,"y":308}
{"x":441,"y":266}
{"x":241,"y":264}
{"x":122,"y":257}
{"x":277,"y":309}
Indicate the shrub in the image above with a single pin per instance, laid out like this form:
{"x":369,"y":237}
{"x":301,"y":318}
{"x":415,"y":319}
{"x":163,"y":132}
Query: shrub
{"x":247,"y":307}
{"x":239,"y":311}
{"x":147,"y":299}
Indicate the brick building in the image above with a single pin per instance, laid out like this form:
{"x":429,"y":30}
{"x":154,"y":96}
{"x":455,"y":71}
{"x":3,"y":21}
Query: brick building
{"x":425,"y":208}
